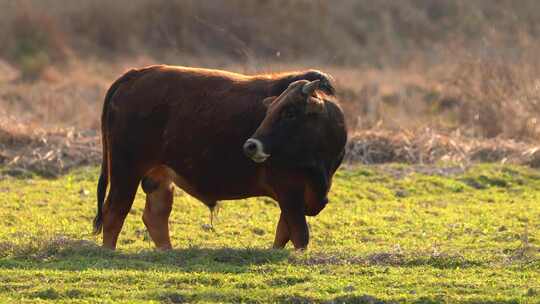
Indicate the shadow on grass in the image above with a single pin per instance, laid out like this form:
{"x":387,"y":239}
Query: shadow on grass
{"x":213,"y":296}
{"x":411,"y":259}
{"x":367,"y":299}
{"x":64,"y":253}
{"x":181,"y":297}
{"x":82,"y":255}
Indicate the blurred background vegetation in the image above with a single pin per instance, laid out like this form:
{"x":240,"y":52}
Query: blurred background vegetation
{"x":461,"y":67}
{"x":344,"y":33}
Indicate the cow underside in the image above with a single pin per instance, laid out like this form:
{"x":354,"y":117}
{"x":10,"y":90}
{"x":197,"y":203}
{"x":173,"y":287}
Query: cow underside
{"x":163,"y":174}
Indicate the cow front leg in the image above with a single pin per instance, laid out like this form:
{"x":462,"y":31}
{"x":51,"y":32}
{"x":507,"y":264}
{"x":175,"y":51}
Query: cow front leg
{"x":159,"y":200}
{"x":282,"y":233}
{"x":293,"y":214}
{"x":299,"y":233}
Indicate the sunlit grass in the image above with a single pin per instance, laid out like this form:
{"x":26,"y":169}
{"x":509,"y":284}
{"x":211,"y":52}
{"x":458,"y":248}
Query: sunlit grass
{"x":471,"y":237}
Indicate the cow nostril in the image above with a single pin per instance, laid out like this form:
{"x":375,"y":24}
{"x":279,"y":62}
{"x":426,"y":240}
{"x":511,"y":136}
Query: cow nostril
{"x":250,"y":148}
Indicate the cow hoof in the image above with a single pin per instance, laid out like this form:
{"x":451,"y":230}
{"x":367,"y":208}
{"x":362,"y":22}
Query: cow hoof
{"x":278,"y":247}
{"x":164,"y":248}
{"x":108,"y":248}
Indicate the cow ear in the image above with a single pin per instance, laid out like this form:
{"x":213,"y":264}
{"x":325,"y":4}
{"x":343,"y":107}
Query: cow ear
{"x":315,"y":106}
{"x":268,"y":101}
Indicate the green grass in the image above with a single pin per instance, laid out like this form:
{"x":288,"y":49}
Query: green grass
{"x":473,"y":237}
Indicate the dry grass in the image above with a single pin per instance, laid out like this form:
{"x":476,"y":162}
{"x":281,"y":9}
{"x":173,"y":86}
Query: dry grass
{"x":429,"y":147}
{"x":419,"y":81}
{"x":354,"y":32}
{"x":53,"y":152}
{"x":474,"y":97}
{"x":51,"y":124}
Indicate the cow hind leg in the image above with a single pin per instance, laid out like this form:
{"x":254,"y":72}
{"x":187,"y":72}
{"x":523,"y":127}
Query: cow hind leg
{"x":159,"y":199}
{"x":116,"y":208}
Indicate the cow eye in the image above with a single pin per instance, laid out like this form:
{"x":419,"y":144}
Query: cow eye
{"x":288,"y":113}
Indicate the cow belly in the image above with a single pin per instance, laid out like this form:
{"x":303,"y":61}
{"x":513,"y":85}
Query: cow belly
{"x":228,"y":186}
{"x":210,"y":187}
{"x":164,"y":173}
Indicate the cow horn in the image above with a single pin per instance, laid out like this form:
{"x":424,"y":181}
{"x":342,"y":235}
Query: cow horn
{"x":310,"y":87}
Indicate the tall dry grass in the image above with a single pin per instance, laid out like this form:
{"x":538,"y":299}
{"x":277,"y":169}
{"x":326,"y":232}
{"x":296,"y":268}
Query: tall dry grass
{"x":349,"y":32}
{"x":456,"y":66}
{"x":471,"y":96}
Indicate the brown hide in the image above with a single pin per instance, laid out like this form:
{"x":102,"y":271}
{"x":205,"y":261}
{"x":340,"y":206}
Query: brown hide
{"x":165,"y":125}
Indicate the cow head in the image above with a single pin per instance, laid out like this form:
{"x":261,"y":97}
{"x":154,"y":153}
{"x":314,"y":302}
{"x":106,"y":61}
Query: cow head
{"x":295,"y":134}
{"x":303,"y":133}
{"x":290,"y":132}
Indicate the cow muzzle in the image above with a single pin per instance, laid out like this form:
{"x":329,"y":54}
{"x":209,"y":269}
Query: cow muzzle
{"x":254,"y":149}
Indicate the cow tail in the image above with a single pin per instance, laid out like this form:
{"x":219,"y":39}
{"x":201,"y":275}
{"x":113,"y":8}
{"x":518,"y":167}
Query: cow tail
{"x":101,"y":191}
{"x":106,"y":158}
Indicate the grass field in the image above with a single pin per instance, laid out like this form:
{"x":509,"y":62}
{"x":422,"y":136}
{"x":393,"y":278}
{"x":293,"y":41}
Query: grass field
{"x":390,"y":234}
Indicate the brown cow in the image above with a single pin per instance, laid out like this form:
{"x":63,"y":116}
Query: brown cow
{"x":165,"y":125}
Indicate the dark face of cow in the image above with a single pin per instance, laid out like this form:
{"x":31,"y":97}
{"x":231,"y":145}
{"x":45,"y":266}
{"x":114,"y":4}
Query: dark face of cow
{"x":291,"y":130}
{"x":305,"y":133}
